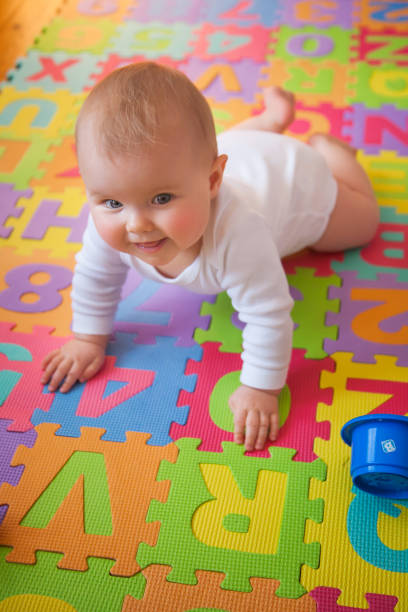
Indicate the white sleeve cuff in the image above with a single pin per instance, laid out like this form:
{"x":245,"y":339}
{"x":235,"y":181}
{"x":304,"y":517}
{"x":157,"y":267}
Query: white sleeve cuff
{"x":92,"y":325}
{"x":259,"y":378}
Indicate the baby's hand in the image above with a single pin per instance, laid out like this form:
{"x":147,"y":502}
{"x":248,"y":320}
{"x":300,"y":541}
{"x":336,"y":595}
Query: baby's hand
{"x":77,"y":360}
{"x":256,"y":416}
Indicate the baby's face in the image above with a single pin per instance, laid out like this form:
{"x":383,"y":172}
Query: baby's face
{"x":154,"y":205}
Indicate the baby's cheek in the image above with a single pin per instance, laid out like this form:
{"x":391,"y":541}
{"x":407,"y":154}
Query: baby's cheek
{"x":105,"y":229}
{"x":189,"y":225}
{"x":182,"y":223}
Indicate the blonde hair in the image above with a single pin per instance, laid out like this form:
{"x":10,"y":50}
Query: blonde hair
{"x":131,"y":105}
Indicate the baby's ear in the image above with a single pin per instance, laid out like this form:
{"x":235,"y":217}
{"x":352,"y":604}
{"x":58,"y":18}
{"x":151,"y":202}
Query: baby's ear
{"x":217,"y":171}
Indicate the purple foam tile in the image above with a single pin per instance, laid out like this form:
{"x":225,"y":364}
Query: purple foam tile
{"x":167,"y":311}
{"x":46,"y":215}
{"x":222,"y":12}
{"x":8,"y":199}
{"x":375,"y":130}
{"x":318,"y":14}
{"x":9,"y":442}
{"x":247,"y":74}
{"x":348,"y":339}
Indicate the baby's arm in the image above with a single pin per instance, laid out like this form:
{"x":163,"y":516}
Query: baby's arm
{"x":96,"y":288}
{"x":77,"y":360}
{"x":256,"y":416}
{"x":251,"y":272}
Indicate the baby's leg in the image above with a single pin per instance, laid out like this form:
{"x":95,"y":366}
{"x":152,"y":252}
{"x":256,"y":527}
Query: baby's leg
{"x":279,"y":112}
{"x":356,"y":214}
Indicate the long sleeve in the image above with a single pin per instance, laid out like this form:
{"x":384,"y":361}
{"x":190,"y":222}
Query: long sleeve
{"x":256,"y":283}
{"x":96,"y":288}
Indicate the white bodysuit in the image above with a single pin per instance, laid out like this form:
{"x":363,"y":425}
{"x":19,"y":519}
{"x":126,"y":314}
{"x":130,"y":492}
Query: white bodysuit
{"x":276,"y":198}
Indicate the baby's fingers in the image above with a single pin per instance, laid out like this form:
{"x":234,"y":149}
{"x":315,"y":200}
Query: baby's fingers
{"x":64,"y":370}
{"x":240,"y":417}
{"x":252,"y":429}
{"x":53,"y":362}
{"x":92,"y":369}
{"x":70,"y":379}
{"x":263,"y":430}
{"x":48,"y":359}
{"x":274,"y":426}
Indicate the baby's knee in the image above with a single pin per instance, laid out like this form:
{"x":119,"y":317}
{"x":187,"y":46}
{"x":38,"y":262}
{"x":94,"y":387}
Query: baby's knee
{"x":372,"y":217}
{"x":353,"y":223}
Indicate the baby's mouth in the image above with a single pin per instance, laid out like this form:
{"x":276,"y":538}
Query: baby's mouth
{"x":151,"y":246}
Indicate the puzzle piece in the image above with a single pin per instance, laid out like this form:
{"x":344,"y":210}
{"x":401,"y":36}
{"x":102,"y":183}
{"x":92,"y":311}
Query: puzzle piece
{"x":375,"y":130}
{"x":314,"y":44}
{"x":389,"y":177}
{"x":223,"y":327}
{"x":218,"y":376}
{"x":10,"y":198}
{"x":51,"y":221}
{"x":37,"y":291}
{"x":152,"y":410}
{"x":206,"y":420}
{"x":374,"y":47}
{"x":390,"y":528}
{"x":70,"y":494}
{"x":378,"y":383}
{"x":61,"y":170}
{"x":111,"y":61}
{"x":154,"y":309}
{"x":318,"y":118}
{"x":224,"y":12}
{"x":326,"y":598}
{"x":54,"y":71}
{"x":372,"y":318}
{"x":363,"y":518}
{"x":268,"y":12}
{"x":386,"y":253}
{"x":110,"y":387}
{"x":378,"y":85}
{"x":76,"y":36}
{"x":20,"y":159}
{"x":46,"y":588}
{"x":21,"y":392}
{"x":114,"y":10}
{"x":311,"y":313}
{"x":9,"y":441}
{"x":380,"y":14}
{"x":160,"y":594}
{"x":224,"y":80}
{"x":24,"y":114}
{"x":358,"y":389}
{"x":154,"y":40}
{"x":321,"y":263}
{"x":326,"y":80}
{"x":320,"y":14}
{"x":227,"y":114}
{"x":232,"y":43}
{"x":180,"y":514}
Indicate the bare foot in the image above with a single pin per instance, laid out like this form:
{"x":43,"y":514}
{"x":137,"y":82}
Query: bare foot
{"x":278,"y":114}
{"x":279,"y":110}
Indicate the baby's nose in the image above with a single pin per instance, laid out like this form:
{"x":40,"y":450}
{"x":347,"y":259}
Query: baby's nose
{"x":138,"y":222}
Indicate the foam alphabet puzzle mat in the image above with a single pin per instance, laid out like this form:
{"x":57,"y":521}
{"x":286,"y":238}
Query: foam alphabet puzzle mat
{"x":128,"y":493}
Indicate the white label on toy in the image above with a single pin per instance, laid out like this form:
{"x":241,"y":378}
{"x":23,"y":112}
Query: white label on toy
{"x":388,"y":446}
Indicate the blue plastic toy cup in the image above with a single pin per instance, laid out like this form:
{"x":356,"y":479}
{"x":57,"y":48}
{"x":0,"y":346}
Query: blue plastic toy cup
{"x":379,"y":454}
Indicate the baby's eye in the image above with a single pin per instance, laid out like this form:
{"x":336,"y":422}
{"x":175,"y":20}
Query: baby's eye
{"x":162,"y":198}
{"x":112,"y":204}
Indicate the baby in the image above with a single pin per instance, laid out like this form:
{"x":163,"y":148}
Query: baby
{"x":211,"y":214}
